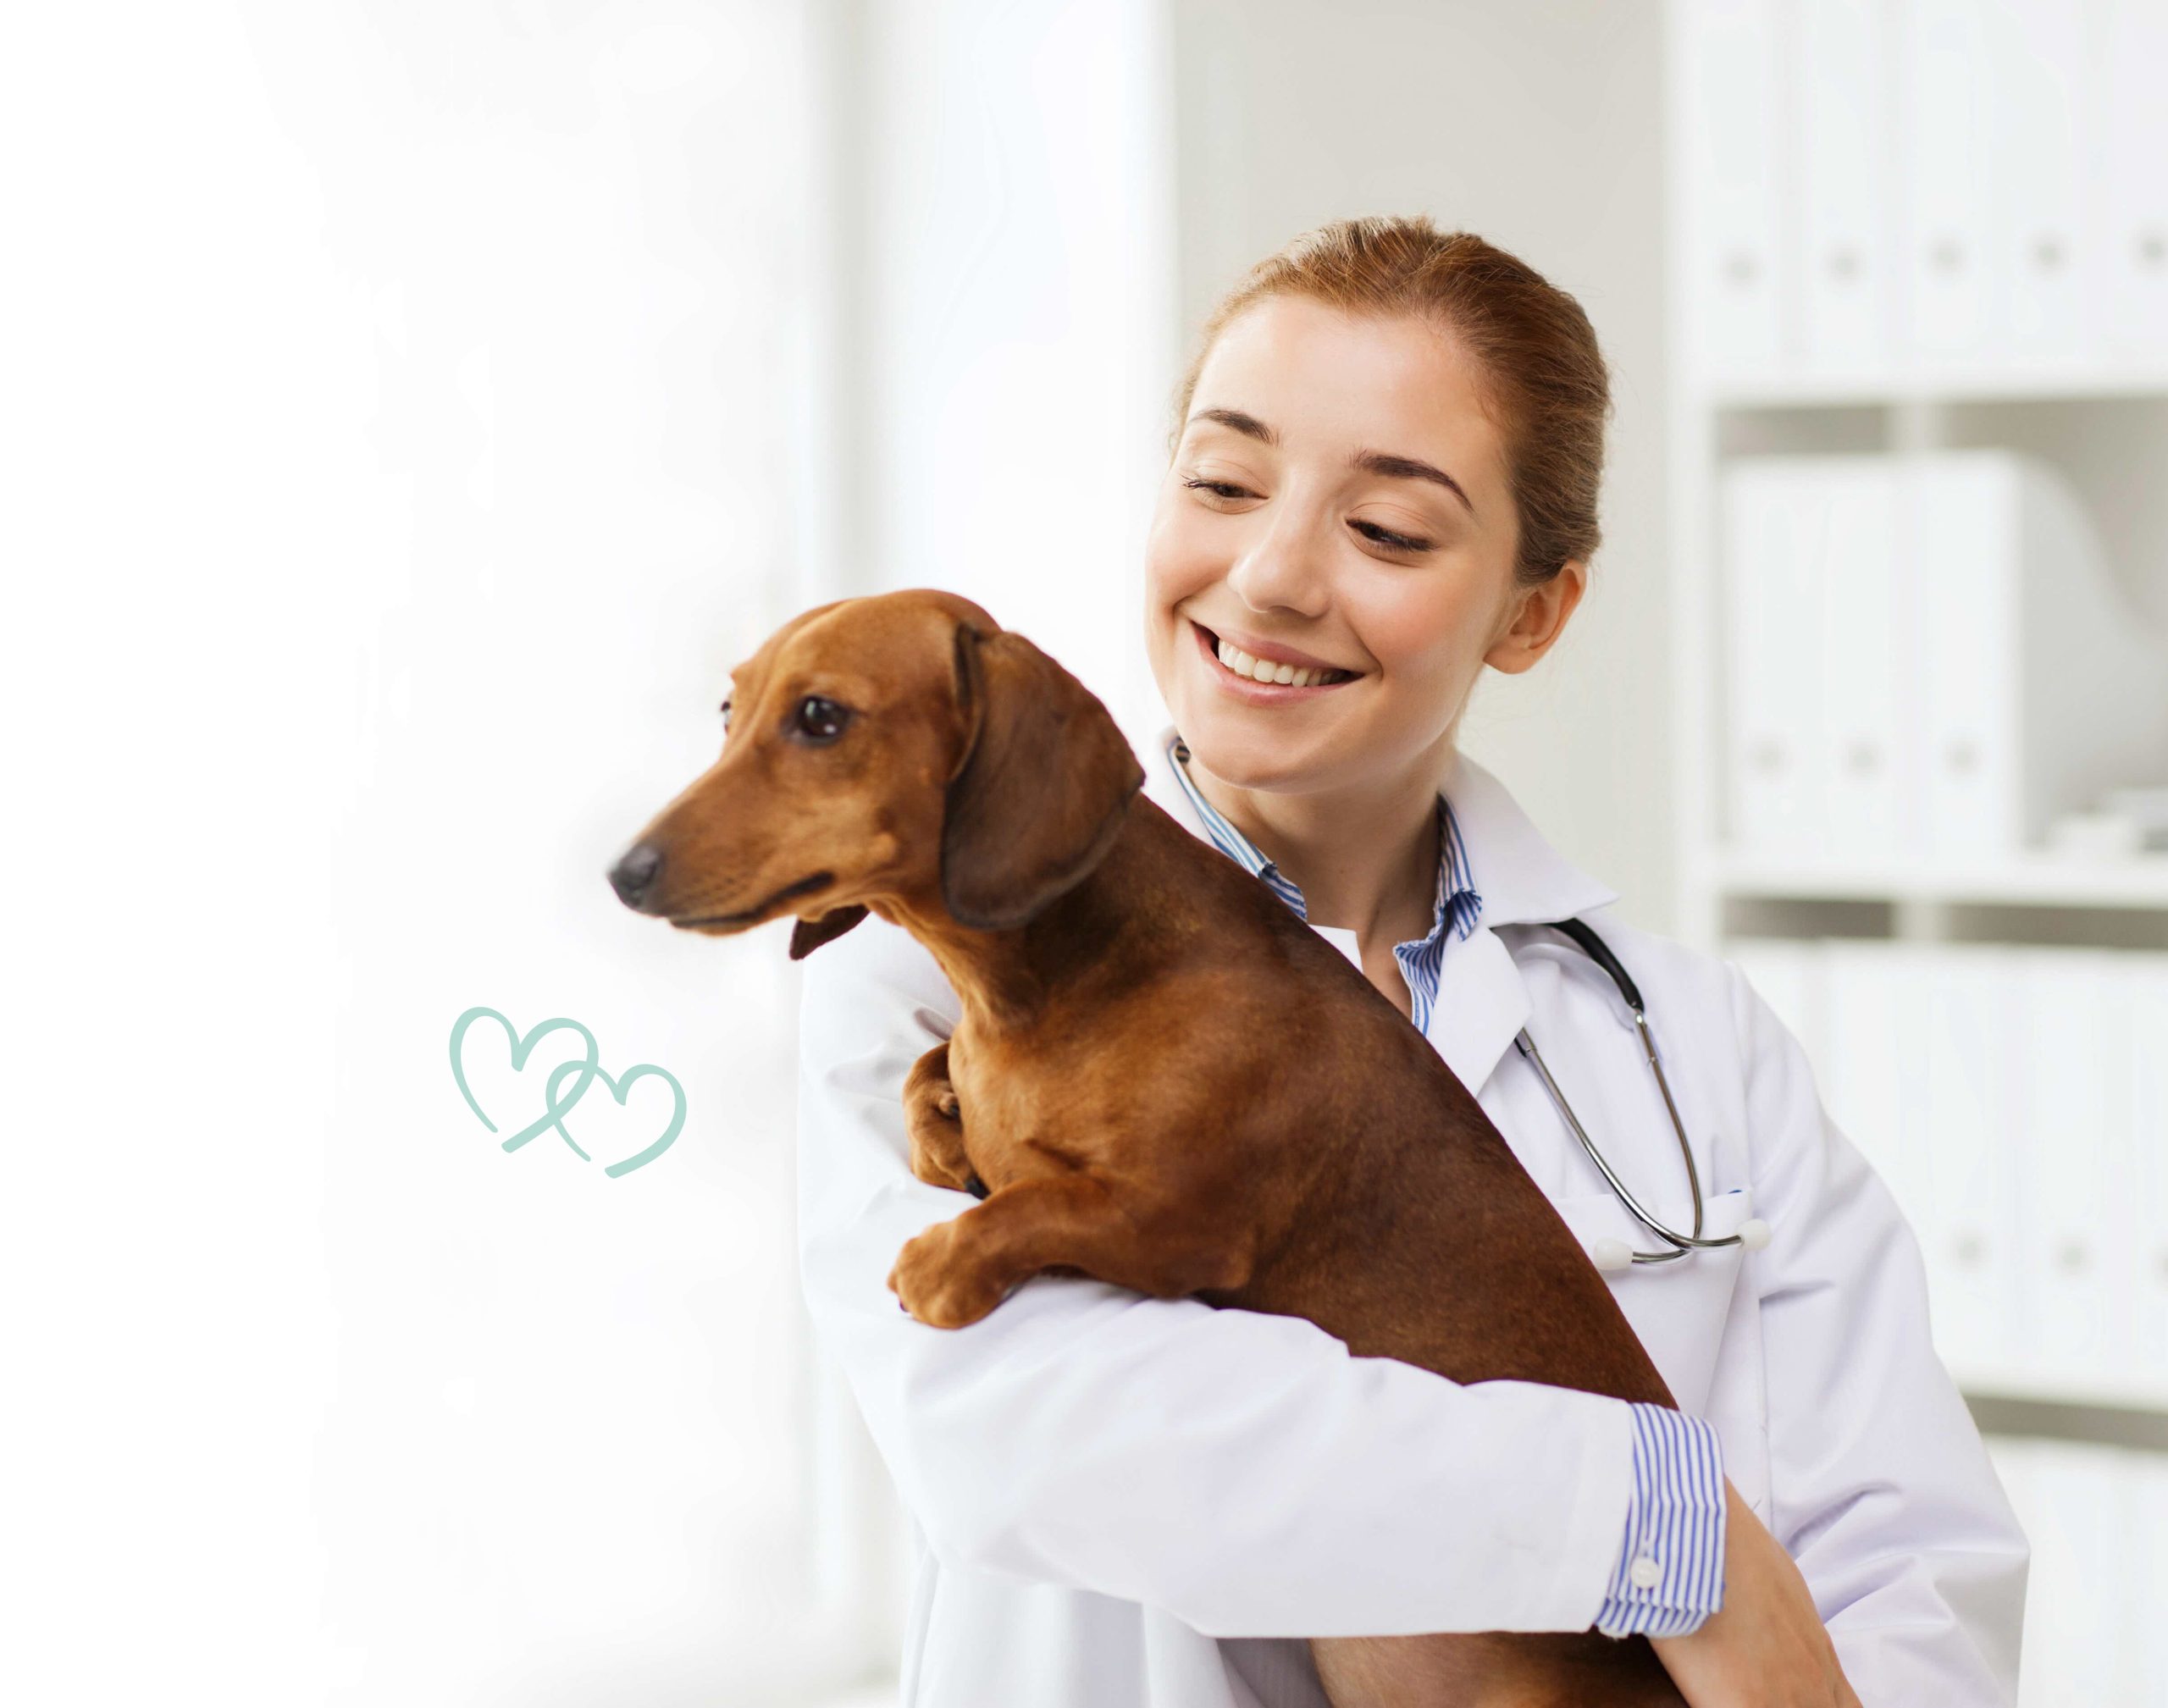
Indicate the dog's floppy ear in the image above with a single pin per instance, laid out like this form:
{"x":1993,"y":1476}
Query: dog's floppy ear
{"x":1043,"y":786}
{"x":808,"y":935}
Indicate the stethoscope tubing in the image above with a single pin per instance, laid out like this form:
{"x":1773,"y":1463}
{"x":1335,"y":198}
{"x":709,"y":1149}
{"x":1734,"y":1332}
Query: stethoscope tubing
{"x":1681,"y":1244}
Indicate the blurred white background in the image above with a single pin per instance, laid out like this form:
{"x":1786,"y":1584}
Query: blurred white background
{"x":411,"y":413}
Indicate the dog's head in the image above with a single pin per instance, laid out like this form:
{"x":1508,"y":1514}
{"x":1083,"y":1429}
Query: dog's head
{"x":896,"y":745}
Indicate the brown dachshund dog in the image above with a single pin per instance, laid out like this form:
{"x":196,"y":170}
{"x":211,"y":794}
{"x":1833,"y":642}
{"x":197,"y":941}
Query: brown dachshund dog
{"x":1118,"y":1089}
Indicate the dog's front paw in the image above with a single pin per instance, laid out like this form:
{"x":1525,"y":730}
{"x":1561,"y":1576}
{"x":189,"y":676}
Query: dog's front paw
{"x":937,"y":1283}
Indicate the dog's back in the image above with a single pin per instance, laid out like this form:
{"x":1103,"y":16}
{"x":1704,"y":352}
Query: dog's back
{"x":1196,"y":1031}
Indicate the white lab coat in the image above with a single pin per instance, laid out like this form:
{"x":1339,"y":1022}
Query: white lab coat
{"x":1125,"y":1502}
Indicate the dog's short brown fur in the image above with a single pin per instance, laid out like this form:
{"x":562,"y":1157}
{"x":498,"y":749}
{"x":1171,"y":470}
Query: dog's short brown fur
{"x":1120,"y":1085}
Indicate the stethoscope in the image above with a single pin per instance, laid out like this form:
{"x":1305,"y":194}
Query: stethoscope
{"x":1616,"y":1254}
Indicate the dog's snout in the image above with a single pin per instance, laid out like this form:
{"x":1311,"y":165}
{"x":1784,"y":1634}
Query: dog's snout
{"x":634,"y":875}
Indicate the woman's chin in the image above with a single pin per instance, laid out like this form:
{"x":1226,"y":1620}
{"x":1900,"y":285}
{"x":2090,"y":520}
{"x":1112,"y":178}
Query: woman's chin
{"x":1243,"y":756}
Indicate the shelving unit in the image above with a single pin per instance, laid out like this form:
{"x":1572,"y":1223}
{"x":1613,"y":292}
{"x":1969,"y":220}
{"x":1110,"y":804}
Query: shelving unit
{"x":1756,"y":231}
{"x":2033,"y":897}
{"x":2039,"y":882}
{"x":1712,"y":422}
{"x":1887,"y":392}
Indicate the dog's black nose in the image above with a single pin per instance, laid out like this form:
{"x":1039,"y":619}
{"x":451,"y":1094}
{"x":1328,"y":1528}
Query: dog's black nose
{"x":634,"y":875}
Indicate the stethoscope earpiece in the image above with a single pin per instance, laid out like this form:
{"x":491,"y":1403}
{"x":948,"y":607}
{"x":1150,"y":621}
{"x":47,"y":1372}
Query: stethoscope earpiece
{"x":1611,"y":1255}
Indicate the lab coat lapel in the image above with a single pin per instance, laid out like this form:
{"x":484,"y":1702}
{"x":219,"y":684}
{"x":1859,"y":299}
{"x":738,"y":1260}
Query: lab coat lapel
{"x":1482,"y":1004}
{"x":1482,"y":1000}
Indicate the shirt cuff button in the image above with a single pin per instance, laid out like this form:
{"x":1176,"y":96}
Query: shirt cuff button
{"x":1645,"y":1573}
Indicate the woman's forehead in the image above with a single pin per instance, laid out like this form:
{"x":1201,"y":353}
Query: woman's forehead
{"x":1326,"y":380}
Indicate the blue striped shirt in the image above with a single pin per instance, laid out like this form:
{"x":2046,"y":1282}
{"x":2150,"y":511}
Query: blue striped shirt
{"x":1670,"y":1575}
{"x":1456,"y":902}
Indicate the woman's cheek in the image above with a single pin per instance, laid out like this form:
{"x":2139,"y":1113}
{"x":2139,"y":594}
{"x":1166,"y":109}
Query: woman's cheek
{"x":1182,"y":561}
{"x":1170,"y":546}
{"x":1422,"y":651}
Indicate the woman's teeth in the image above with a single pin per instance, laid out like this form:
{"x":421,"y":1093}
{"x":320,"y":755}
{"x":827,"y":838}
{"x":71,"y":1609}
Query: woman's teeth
{"x":1265,"y":670}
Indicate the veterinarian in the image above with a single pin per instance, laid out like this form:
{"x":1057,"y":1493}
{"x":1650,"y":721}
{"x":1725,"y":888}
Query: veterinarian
{"x":1385,"y":468}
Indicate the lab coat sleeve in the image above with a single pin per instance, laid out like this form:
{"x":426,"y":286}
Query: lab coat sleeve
{"x":1881,"y":1487}
{"x":1239,"y":1469}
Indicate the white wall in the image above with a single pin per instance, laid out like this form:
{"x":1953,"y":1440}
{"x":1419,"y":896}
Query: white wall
{"x":410,"y":414}
{"x":1539,"y":126}
{"x":402,"y":446}
{"x":1017,"y":316}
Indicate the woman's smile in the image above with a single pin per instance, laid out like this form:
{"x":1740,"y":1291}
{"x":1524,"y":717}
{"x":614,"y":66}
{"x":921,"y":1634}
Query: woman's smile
{"x":1234,"y":672}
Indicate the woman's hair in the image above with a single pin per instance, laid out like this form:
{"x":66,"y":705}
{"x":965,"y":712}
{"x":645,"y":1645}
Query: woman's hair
{"x":1543,"y":379}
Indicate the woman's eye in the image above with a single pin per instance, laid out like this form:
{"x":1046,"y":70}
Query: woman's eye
{"x":1219,"y":489}
{"x":1386,"y":537}
{"x":820,"y":720}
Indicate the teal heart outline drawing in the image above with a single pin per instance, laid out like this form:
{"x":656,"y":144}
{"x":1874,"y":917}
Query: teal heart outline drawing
{"x":590,"y":1069}
{"x":618,"y":1088}
{"x":553,"y":1114}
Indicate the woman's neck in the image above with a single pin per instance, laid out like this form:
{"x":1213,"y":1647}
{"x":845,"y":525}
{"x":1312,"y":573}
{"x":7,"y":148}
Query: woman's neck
{"x":1365,"y":856}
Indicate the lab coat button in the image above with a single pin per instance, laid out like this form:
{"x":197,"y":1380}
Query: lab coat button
{"x":1645,"y":1573}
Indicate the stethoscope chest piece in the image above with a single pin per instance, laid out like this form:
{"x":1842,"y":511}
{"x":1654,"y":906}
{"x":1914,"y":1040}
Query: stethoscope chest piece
{"x":1612,"y":1255}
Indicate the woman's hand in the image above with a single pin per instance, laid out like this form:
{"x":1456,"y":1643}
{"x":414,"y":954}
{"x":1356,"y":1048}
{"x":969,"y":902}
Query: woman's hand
{"x":1766,"y":1647}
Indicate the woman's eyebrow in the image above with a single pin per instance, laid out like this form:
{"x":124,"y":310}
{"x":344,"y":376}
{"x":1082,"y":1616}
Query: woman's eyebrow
{"x":1242,"y":423}
{"x":1379,"y":462}
{"x":1407,"y":468}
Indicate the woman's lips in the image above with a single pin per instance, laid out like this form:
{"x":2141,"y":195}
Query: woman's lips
{"x":1248,"y":688}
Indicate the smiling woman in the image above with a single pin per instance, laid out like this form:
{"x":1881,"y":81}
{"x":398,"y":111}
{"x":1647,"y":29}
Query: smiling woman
{"x":1385,"y":462}
{"x":1383,"y":478}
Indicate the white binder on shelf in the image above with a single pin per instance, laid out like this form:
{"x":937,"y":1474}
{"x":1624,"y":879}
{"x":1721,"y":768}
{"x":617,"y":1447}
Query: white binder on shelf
{"x":2144,"y":1255}
{"x":2040,"y":683}
{"x":1872,"y":1082}
{"x":2013,"y":1457}
{"x":1824,"y":767}
{"x":2047,"y":228}
{"x":1730,"y":63}
{"x":2134,"y":237}
{"x":1927,"y":656}
{"x":1843,"y":135}
{"x":2145,"y":1586}
{"x":1786,"y":973}
{"x":2073,"y":1152}
{"x":1960,"y":1081}
{"x":1961,"y":521}
{"x":1775,"y":536}
{"x":1924,"y":189}
{"x":1869,"y":789}
{"x":1950,"y":285}
{"x":2076,"y":1647}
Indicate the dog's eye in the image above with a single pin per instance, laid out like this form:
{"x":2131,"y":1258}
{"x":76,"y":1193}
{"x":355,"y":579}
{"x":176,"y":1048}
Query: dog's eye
{"x":820,"y":720}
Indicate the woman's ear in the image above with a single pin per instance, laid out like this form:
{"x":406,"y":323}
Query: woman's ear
{"x":1043,"y":786}
{"x":1540,"y":614}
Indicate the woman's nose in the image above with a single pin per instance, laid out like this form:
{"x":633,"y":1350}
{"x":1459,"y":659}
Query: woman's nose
{"x":1285,"y":567}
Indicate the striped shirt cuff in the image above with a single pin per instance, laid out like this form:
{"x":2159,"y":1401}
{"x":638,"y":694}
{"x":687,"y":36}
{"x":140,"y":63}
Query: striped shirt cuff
{"x":1670,"y":1574}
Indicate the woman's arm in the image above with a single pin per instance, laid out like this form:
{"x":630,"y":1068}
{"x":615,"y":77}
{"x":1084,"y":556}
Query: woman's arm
{"x":1881,"y":1488}
{"x":1240,"y":1469}
{"x":1767,"y":1646}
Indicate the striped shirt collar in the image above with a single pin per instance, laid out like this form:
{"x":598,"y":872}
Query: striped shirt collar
{"x":1455,"y":903}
